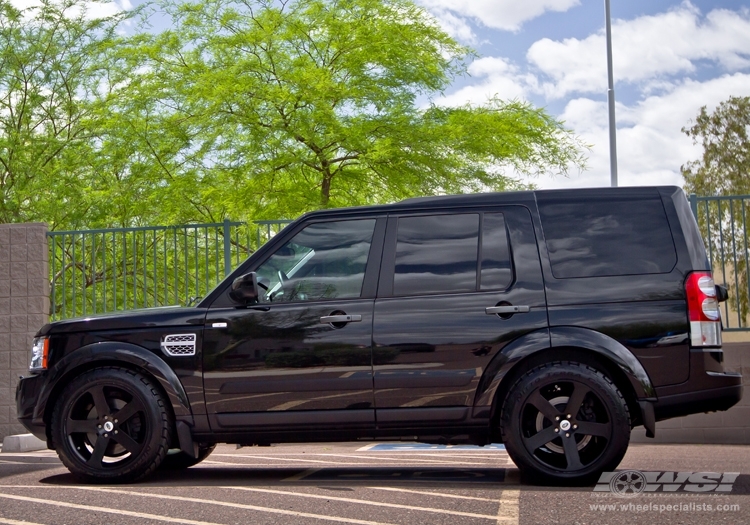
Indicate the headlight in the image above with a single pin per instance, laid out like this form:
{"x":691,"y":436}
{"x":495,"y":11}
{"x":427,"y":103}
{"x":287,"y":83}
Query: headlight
{"x":39,"y":354}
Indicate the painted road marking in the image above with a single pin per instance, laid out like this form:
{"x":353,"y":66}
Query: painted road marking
{"x":409,"y":447}
{"x":302,"y":474}
{"x":103,"y":509}
{"x":382,"y":458}
{"x":365,"y":502}
{"x":14,"y":522}
{"x":270,"y":510}
{"x":437,"y":494}
{"x":507,"y":512}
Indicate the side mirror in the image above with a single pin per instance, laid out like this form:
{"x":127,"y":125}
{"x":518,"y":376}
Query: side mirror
{"x":244,"y":289}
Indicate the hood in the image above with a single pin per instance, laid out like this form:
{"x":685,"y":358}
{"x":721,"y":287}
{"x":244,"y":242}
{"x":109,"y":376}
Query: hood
{"x":132,"y":319}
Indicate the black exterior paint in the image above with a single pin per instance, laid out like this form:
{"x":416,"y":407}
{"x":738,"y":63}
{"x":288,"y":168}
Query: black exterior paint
{"x":427,"y":366}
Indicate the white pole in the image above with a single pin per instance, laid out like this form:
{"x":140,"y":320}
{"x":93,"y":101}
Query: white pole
{"x":611,"y":100}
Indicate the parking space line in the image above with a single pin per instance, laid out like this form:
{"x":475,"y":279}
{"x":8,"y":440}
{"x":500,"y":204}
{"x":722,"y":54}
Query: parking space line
{"x":436,"y":461}
{"x":15,"y":522}
{"x":365,"y":502}
{"x":507,"y":512}
{"x":269,"y":510}
{"x":436,"y":494}
{"x":103,"y":509}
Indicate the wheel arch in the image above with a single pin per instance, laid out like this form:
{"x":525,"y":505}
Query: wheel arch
{"x":568,"y":344}
{"x":122,"y":355}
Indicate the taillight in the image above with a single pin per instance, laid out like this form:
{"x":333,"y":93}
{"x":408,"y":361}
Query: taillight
{"x":703,"y":310}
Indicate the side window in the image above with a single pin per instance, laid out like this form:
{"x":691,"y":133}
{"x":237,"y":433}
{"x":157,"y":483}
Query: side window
{"x":614,"y":236}
{"x":497,"y":271}
{"x":324,"y":261}
{"x":436,"y":254}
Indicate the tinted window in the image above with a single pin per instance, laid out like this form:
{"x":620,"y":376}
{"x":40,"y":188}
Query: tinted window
{"x":324,"y":261}
{"x":496,"y":267}
{"x":612,"y":236}
{"x":436,"y":254}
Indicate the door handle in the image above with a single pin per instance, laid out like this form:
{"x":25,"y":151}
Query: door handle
{"x":508,"y":309}
{"x":326,"y":319}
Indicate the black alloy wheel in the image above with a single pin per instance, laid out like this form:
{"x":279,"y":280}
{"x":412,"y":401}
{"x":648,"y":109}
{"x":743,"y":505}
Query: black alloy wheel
{"x":565,"y":422}
{"x":111,"y":425}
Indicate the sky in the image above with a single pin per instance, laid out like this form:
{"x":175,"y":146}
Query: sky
{"x":670,"y":58}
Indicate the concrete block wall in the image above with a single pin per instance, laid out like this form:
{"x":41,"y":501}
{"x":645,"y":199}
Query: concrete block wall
{"x":24,"y":308}
{"x":729,"y":427}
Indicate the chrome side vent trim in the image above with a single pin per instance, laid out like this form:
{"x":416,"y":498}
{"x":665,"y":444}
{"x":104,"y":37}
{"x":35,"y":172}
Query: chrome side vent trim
{"x":178,"y":344}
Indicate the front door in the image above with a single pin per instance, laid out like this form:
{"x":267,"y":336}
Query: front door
{"x":302,"y":356}
{"x":455,"y":289}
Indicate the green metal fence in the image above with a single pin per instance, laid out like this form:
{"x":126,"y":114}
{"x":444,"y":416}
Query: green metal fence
{"x":723,"y":222}
{"x":107,"y":270}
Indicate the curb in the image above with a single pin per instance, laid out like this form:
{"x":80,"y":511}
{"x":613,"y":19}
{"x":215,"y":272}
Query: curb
{"x":23,"y":443}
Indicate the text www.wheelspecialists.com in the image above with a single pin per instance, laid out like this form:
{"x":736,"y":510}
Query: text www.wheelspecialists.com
{"x":662,"y":508}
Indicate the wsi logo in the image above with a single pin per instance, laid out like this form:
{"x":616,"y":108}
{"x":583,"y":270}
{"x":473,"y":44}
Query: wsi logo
{"x":630,"y":483}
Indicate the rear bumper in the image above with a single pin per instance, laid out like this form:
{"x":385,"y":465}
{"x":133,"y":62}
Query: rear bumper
{"x":708,"y":389}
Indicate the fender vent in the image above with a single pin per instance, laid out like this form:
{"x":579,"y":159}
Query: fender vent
{"x":179,"y":344}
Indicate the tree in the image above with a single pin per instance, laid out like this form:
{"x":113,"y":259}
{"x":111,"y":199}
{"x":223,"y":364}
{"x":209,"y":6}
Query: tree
{"x":724,"y":169}
{"x":52,"y":64}
{"x":289,"y":106}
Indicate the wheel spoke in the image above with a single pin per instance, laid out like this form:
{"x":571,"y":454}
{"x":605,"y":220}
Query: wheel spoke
{"x":594,"y":429}
{"x":98,"y":454}
{"x":126,"y":441}
{"x":128,"y":411}
{"x":571,"y":453}
{"x":541,"y":438}
{"x":576,"y":399}
{"x":86,"y":426}
{"x":543,"y":406}
{"x":102,"y":407}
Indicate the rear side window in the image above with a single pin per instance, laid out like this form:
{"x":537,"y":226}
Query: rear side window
{"x":610,"y":237}
{"x":440,"y":254}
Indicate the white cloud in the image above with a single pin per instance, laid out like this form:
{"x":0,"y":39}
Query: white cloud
{"x":496,"y":77}
{"x":499,"y":14}
{"x":646,"y":50}
{"x":651,"y":147}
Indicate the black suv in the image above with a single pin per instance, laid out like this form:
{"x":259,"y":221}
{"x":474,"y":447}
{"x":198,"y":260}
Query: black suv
{"x":550,"y":321}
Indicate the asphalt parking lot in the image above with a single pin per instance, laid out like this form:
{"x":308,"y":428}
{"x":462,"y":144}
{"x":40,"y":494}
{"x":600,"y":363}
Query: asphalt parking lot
{"x":361,"y":483}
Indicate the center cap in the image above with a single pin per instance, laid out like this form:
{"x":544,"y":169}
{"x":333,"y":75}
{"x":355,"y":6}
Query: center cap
{"x":564,"y":425}
{"x":109,"y":426}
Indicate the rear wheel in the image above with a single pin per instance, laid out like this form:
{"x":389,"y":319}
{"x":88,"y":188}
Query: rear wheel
{"x":565,"y":422}
{"x":180,"y":460}
{"x":111,"y":425}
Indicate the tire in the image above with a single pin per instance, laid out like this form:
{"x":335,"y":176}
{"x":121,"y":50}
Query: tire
{"x":564,"y":423}
{"x":111,"y":425}
{"x":180,"y":460}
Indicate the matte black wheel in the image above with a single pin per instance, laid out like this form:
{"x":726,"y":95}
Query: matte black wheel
{"x":180,"y":460}
{"x":565,"y":422}
{"x":111,"y":425}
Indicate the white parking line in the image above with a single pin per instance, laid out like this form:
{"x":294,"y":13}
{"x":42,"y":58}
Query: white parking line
{"x":269,"y":510}
{"x":103,"y":509}
{"x":15,"y":522}
{"x":507,"y":512}
{"x":437,"y":494}
{"x":365,"y":502}
{"x":436,"y":461}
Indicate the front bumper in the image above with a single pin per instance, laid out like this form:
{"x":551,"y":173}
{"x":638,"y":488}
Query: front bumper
{"x":27,"y":395}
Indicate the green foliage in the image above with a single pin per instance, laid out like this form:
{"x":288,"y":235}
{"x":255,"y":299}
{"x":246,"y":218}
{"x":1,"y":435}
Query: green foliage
{"x":724,"y":169}
{"x":249,"y":109}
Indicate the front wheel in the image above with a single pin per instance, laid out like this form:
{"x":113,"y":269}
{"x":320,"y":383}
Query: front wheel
{"x":565,"y":422}
{"x":111,"y":425}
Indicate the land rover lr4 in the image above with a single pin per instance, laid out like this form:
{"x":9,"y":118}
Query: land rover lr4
{"x":551,"y":321}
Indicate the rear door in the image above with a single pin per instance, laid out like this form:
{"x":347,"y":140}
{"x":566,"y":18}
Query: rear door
{"x":455,"y":289}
